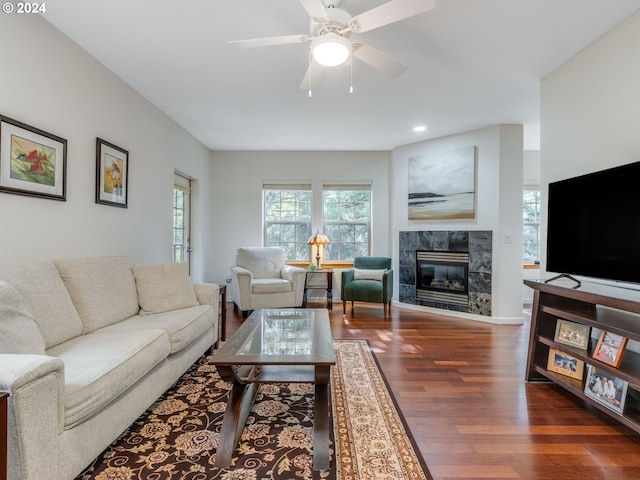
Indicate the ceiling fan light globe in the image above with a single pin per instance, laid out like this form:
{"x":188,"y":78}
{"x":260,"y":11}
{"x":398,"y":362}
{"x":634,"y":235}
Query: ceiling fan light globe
{"x":331,"y":50}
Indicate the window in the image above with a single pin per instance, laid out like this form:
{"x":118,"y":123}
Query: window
{"x":181,"y":220}
{"x":347,"y":220}
{"x":287,"y":218}
{"x":531,"y":225}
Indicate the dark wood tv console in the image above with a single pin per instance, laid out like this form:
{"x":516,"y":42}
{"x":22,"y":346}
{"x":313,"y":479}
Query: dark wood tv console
{"x":3,"y":435}
{"x":584,"y":306}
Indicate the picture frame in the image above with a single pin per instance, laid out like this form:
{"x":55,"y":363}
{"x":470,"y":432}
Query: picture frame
{"x":564,"y":364}
{"x":572,"y":334}
{"x":606,"y":389}
{"x":112,"y":174}
{"x":32,"y":162}
{"x":610,"y":348}
{"x":443,"y":185}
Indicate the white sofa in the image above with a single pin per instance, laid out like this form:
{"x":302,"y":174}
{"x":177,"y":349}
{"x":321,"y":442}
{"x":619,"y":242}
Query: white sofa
{"x":261,"y":279}
{"x":86,"y":346}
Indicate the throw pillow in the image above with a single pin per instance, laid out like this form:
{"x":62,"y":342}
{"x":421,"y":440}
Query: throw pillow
{"x":19,"y":331}
{"x":164,"y":287}
{"x":368,"y":274}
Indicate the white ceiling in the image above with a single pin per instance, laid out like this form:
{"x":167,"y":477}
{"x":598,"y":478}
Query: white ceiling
{"x":471,"y":64}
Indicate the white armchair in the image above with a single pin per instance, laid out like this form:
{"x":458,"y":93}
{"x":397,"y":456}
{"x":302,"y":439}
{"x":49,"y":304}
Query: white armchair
{"x":262,"y":279}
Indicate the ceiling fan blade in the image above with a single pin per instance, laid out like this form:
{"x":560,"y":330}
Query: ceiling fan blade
{"x":269,"y":41}
{"x":378,"y":60}
{"x":312,"y":76}
{"x":315,"y":9}
{"x":389,"y":12}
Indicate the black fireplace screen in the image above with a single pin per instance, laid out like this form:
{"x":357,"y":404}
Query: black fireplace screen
{"x":448,"y":275}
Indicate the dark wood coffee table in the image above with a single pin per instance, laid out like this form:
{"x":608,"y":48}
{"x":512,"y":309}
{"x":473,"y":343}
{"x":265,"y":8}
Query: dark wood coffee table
{"x":277,"y":346}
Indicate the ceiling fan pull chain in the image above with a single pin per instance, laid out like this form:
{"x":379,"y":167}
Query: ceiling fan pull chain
{"x":351,"y":73}
{"x":310,"y":94}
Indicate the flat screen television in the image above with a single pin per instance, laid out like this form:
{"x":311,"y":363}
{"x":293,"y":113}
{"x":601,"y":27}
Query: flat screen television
{"x":593,"y":225}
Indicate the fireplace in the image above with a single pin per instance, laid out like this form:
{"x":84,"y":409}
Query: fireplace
{"x":442,"y":276}
{"x":470,"y":247}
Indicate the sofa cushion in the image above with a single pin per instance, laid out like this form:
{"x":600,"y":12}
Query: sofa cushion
{"x":103,"y":289}
{"x":368,"y":274}
{"x":262,"y":262}
{"x":182,"y":326}
{"x":271,"y":285}
{"x":99,"y":367}
{"x":163,"y":287}
{"x":18,"y":329}
{"x":44,"y":292}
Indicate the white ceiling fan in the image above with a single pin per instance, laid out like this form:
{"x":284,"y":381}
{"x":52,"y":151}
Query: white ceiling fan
{"x":330,"y":32}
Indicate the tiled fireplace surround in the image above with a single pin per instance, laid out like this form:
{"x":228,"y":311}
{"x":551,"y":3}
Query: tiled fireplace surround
{"x":477,"y":243}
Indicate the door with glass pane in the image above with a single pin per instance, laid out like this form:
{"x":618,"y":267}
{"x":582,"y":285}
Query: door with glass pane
{"x":181,"y":218}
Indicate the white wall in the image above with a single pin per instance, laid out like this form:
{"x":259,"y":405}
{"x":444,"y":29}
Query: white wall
{"x":531,"y":178}
{"x":237,"y":195}
{"x":498,"y":207}
{"x":50,"y":83}
{"x":590,"y":110}
{"x":531,"y":168}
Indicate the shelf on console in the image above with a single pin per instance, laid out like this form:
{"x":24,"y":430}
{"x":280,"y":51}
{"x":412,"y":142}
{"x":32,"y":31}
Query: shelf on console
{"x":596,"y":306}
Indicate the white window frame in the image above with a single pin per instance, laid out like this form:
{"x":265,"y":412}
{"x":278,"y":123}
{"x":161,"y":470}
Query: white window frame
{"x":525,"y":224}
{"x":181,"y":251}
{"x":302,"y":226}
{"x":335,"y":251}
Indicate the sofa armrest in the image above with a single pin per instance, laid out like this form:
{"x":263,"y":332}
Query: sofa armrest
{"x":293,"y":274}
{"x":387,"y":285}
{"x":36,"y":412}
{"x":207,"y":293}
{"x":241,"y":280}
{"x":347,"y":276}
{"x":297,"y":276}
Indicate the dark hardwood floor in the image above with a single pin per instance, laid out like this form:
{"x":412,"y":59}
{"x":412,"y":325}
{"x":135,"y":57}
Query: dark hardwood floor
{"x":460,"y":386}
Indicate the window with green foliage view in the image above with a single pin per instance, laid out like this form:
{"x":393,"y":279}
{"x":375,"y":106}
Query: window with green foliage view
{"x":531,"y":226}
{"x":347,"y":221}
{"x":287,"y":220}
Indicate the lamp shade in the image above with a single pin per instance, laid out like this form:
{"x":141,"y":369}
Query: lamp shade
{"x":318,"y":239}
{"x":331,"y":50}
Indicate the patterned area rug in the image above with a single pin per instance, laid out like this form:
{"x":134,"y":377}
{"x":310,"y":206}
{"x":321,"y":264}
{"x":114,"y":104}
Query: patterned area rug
{"x":177,"y":437}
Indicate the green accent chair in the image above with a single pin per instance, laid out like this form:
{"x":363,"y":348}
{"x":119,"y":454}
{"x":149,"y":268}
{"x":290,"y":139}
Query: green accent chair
{"x":370,"y":280}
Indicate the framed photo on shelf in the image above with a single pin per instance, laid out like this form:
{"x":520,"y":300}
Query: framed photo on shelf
{"x":112,"y":174}
{"x":32,"y":161}
{"x":605,"y":388}
{"x":572,"y":334}
{"x":610,"y":348}
{"x":565,"y":364}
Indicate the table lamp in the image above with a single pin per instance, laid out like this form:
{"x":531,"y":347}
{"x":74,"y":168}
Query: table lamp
{"x":317,"y":240}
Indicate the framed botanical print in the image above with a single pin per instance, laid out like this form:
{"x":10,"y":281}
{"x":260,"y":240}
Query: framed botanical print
{"x":32,"y":162}
{"x":112,"y":174}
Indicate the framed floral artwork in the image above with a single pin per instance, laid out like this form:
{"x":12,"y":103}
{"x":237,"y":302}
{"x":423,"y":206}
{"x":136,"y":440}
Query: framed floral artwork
{"x":32,"y":162}
{"x":112,"y":174}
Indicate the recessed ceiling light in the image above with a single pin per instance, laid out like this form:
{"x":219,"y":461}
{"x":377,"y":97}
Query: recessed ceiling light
{"x":419,"y":128}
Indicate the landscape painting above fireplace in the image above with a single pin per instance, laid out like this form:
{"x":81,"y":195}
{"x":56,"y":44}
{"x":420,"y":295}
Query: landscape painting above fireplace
{"x":442,"y":185}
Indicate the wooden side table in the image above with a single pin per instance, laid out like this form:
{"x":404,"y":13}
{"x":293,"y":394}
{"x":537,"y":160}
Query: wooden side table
{"x":328,"y":286}
{"x":4,"y":397}
{"x":222,"y":314}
